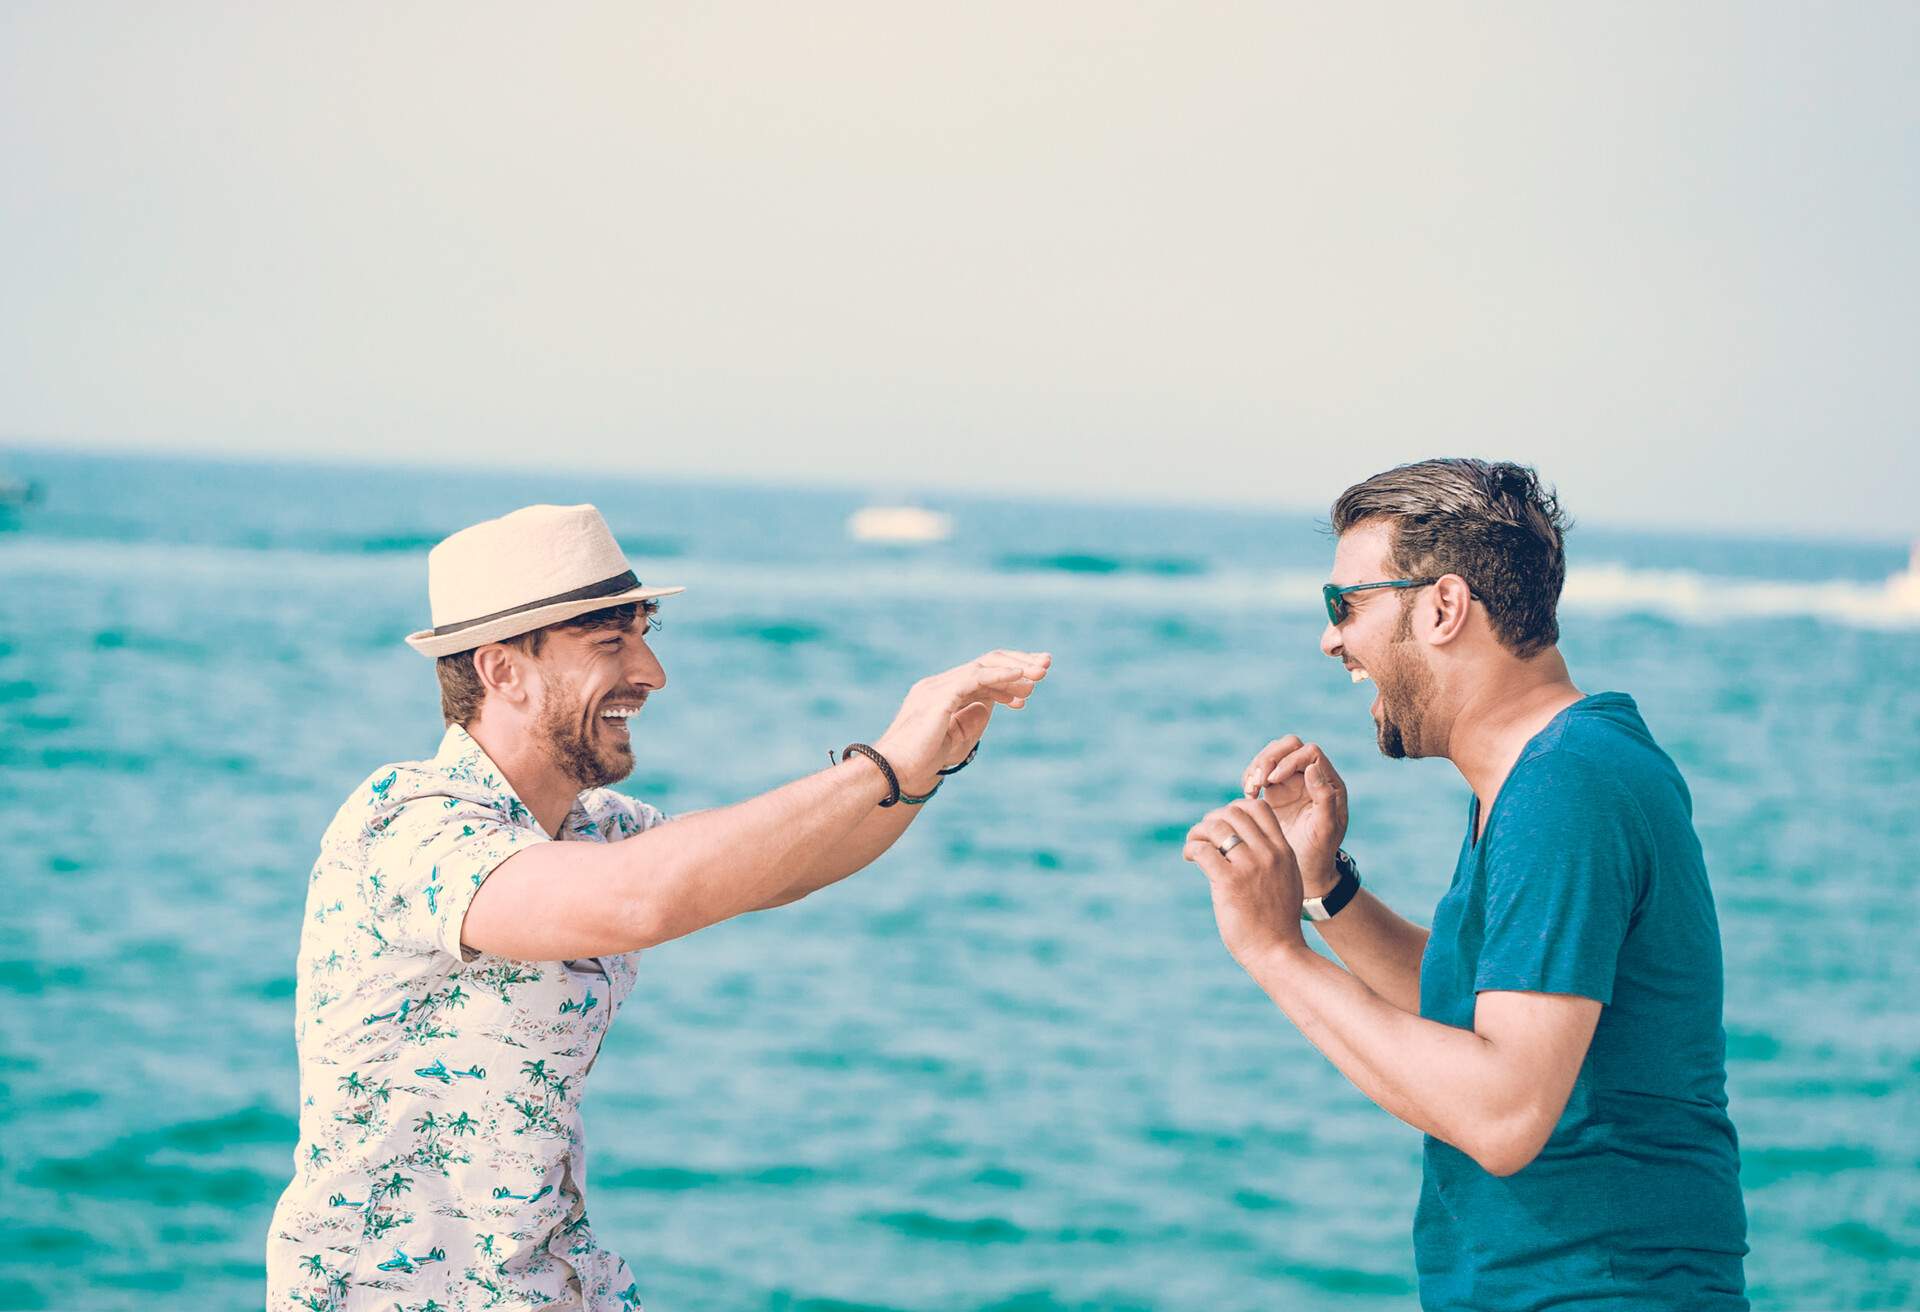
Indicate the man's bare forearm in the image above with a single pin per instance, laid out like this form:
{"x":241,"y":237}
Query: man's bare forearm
{"x":1382,"y":949}
{"x":1434,"y":1077}
{"x":556,"y":901}
{"x":855,"y":851}
{"x":553,"y":902}
{"x":1494,"y":1091}
{"x":767,"y":850}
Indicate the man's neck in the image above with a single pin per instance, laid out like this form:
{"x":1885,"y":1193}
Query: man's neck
{"x":549,"y":794}
{"x":1499,"y":717}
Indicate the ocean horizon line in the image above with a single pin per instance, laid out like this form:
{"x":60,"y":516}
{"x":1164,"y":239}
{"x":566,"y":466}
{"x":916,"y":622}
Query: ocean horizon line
{"x":896,"y":491}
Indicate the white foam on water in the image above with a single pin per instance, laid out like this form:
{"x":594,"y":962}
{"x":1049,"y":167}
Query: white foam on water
{"x":1691,"y":596}
{"x":1685,"y":596}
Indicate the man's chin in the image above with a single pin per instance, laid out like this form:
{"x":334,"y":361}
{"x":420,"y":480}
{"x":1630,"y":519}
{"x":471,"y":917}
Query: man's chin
{"x":609,"y":767}
{"x":590,"y":764}
{"x":1392,"y":742}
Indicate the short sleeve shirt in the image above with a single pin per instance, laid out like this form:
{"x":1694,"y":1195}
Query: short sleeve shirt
{"x":441,"y":1161}
{"x":1588,"y":880}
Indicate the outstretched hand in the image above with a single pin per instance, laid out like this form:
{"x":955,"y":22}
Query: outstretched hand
{"x":943,"y":715}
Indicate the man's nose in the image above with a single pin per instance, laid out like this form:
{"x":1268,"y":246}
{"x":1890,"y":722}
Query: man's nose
{"x":645,"y":668}
{"x":1330,"y":641}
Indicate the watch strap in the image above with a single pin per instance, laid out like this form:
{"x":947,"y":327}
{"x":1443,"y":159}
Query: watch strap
{"x":1329,"y":904}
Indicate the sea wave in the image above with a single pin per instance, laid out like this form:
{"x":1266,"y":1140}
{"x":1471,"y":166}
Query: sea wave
{"x":1087,"y":562}
{"x":1679,"y":595}
{"x":1687,"y":595}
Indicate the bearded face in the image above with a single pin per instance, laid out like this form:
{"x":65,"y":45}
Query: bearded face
{"x":1404,"y":715}
{"x":1373,"y":637}
{"x":578,"y":740}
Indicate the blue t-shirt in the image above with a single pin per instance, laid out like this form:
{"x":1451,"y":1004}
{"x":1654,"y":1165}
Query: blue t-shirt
{"x":1589,"y":880}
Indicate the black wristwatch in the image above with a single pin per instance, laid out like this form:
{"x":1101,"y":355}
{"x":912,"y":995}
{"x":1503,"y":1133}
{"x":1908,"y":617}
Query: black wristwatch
{"x":1327,"y":906}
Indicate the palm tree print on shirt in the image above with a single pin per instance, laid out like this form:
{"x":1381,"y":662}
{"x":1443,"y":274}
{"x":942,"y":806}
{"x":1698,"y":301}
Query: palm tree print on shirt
{"x":411,"y":1147}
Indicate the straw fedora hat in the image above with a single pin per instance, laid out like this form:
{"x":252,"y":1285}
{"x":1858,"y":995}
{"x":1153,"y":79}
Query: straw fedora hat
{"x":537,"y":566}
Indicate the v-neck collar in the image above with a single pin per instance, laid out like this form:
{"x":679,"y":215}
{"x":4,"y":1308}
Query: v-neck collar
{"x":1476,"y":834}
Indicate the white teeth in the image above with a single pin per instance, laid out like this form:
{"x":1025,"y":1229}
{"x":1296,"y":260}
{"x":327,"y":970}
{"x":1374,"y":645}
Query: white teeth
{"x":620,"y":713}
{"x":1360,"y":676}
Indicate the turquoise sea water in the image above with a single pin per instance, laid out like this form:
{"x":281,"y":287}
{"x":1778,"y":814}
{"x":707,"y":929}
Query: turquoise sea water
{"x":1008,"y":1067}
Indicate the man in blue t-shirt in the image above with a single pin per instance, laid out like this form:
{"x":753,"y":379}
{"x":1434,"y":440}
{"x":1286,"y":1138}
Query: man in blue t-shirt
{"x":1557,"y":1034}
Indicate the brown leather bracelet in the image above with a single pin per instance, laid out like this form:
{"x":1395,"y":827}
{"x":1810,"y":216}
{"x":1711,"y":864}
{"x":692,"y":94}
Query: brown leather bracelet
{"x":893,"y":780}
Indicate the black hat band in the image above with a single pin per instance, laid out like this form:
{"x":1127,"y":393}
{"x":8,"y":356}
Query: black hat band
{"x":604,"y":588}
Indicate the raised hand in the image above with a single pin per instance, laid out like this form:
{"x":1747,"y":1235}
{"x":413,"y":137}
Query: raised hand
{"x":1255,"y":882}
{"x":1310,"y":800}
{"x":944,"y":715}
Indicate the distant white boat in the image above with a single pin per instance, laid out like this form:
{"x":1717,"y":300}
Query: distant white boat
{"x":899,"y":524}
{"x":1904,"y":587}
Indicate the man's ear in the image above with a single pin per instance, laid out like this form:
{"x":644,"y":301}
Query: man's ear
{"x":1444,"y":610}
{"x":502,"y":671}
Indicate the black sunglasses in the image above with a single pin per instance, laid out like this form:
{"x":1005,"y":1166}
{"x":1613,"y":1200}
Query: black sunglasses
{"x":1336,"y":596}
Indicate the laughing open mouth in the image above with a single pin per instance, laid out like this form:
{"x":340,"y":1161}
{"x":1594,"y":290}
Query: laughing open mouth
{"x":617,"y":716}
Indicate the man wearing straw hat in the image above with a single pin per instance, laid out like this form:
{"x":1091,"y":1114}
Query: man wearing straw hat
{"x":473,"y":924}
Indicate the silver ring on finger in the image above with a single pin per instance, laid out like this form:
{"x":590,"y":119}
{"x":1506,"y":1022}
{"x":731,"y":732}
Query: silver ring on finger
{"x":1233,"y":841}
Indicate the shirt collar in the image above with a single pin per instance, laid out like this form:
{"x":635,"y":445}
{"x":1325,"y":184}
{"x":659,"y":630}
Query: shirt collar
{"x":462,"y":757}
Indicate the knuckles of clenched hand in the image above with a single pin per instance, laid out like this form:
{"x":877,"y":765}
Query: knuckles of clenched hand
{"x":1256,"y":883}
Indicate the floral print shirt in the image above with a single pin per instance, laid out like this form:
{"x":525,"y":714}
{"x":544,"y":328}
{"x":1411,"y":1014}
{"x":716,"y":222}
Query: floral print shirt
{"x":441,"y":1165}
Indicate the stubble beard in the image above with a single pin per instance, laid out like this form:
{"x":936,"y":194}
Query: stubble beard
{"x":1406,"y":696}
{"x":567,"y":737}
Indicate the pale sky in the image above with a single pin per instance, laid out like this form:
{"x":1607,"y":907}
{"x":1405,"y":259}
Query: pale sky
{"x":1238,"y":251}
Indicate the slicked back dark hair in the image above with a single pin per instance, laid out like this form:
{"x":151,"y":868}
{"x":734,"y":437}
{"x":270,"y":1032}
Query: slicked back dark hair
{"x":461,"y":691}
{"x":1491,"y":522}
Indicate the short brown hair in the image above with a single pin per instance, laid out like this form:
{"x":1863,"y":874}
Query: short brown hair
{"x":461,"y":691}
{"x":1491,"y":522}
